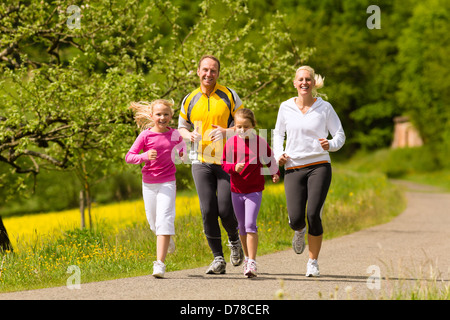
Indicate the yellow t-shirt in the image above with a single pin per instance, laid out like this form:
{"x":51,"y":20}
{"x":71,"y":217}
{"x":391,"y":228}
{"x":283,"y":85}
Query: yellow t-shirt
{"x":201,"y":112}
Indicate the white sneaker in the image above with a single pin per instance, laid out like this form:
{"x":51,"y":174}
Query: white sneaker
{"x":171,"y":248}
{"x":237,"y":254}
{"x":251,"y":270}
{"x":159,"y":268}
{"x":218,"y":266}
{"x":244,"y":265}
{"x":312,"y":268}
{"x":298,"y":242}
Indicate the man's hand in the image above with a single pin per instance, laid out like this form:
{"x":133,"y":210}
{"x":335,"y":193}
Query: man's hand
{"x":218,"y":133}
{"x":195,"y":135}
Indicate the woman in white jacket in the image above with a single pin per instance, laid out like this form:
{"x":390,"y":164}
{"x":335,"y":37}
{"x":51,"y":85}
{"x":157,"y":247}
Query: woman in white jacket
{"x":306,"y":121}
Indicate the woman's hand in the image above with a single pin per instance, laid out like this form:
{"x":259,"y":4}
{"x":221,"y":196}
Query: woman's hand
{"x":325,"y":144}
{"x":283,"y":159}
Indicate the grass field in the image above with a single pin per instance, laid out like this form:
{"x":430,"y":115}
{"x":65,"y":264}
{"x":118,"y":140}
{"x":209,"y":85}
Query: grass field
{"x":120,"y":243}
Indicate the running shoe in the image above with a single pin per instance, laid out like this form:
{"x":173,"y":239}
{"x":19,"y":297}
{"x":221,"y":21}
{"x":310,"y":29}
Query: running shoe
{"x":244,"y":265}
{"x":250,"y":271}
{"x":171,"y":248}
{"x":237,"y":254}
{"x":218,"y":266}
{"x":312,"y":268}
{"x":298,"y":242}
{"x":159,"y":268}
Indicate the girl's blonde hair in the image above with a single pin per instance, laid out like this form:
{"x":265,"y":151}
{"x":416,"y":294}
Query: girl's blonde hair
{"x":318,"y":79}
{"x":143,"y":111}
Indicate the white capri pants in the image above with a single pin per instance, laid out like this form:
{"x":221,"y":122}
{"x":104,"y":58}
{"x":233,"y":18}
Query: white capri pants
{"x":159,"y":201}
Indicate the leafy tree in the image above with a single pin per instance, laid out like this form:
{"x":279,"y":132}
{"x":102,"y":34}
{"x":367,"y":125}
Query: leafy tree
{"x":424,"y":89}
{"x":65,"y":90}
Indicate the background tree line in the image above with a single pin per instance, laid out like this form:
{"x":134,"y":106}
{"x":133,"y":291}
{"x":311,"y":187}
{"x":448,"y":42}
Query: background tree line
{"x":64,"y":122}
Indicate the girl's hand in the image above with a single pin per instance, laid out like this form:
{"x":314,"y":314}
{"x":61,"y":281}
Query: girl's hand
{"x":239,"y":167}
{"x":325,"y":144}
{"x":183,"y":157}
{"x":283,"y":159}
{"x":275,"y":178}
{"x":152,"y":154}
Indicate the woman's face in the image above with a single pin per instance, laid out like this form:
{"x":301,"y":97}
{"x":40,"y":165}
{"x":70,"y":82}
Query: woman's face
{"x":304,"y":82}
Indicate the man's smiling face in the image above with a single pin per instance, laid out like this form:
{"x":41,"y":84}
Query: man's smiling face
{"x":208,"y":73}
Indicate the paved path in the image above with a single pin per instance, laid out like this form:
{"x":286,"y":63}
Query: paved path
{"x":397,"y":251}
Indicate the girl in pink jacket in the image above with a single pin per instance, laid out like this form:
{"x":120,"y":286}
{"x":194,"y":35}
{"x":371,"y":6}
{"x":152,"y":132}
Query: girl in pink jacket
{"x":159,"y":144}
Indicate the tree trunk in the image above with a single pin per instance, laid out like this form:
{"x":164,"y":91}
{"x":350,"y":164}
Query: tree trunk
{"x":83,"y":223}
{"x":88,"y":203}
{"x":5,"y":244}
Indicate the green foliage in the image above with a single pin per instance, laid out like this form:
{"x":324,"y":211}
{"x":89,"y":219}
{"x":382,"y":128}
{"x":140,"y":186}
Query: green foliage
{"x":66,"y":90}
{"x":425,"y":84}
{"x":417,"y":164}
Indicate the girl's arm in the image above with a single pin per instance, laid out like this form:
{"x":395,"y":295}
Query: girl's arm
{"x":133,"y":156}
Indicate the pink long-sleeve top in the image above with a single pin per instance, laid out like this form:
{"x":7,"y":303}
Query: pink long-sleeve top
{"x":166,"y":144}
{"x":255,"y":153}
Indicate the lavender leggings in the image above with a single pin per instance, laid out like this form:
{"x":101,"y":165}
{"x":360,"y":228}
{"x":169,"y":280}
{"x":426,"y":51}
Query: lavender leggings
{"x":246,"y":207}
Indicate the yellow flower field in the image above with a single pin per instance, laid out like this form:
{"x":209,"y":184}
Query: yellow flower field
{"x":26,"y":229}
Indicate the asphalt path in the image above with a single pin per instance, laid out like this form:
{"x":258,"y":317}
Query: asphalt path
{"x":375,"y":263}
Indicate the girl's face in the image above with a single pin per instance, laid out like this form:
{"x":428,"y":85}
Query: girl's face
{"x":304,"y":82}
{"x":243,"y":127}
{"x":161,"y":116}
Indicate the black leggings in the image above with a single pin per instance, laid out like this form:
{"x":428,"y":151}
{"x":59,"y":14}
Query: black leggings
{"x":306,"y":190}
{"x":213,"y":188}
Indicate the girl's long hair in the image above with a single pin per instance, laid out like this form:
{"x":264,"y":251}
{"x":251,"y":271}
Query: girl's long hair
{"x":143,"y":111}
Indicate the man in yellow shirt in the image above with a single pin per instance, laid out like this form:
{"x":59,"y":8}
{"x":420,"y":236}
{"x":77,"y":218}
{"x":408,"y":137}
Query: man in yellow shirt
{"x":206,"y":116}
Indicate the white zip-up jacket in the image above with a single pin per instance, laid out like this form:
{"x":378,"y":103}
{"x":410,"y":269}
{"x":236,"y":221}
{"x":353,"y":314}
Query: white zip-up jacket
{"x":303,"y":132}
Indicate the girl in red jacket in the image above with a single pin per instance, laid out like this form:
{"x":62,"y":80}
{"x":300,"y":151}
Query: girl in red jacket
{"x":243,"y":159}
